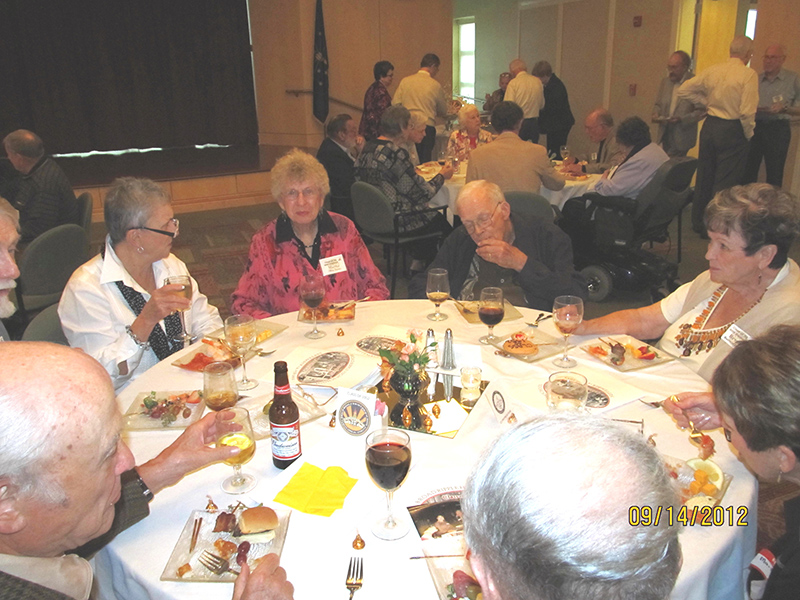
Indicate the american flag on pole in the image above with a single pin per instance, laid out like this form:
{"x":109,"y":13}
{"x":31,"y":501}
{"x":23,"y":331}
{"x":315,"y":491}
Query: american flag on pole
{"x":320,"y":67}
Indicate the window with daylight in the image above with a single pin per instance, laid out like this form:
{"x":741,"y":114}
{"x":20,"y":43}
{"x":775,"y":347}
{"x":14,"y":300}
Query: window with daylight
{"x":465,"y":65}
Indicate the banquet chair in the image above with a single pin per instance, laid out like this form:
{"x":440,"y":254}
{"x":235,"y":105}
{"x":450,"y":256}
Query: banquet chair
{"x":377,"y":219}
{"x":85,"y":206}
{"x":46,"y":327}
{"x":46,"y":265}
{"x":530,"y":203}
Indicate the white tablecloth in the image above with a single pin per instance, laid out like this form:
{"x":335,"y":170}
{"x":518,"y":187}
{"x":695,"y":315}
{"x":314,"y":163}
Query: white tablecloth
{"x":571,"y":189}
{"x":318,"y":549}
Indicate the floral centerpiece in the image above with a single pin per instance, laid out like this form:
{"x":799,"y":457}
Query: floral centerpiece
{"x":403,"y":368}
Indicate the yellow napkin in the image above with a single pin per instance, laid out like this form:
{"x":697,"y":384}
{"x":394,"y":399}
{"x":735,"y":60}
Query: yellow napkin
{"x":315,"y":491}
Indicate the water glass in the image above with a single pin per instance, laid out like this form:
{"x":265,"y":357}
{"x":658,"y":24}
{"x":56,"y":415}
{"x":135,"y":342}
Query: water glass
{"x":566,"y":391}
{"x":470,"y":385}
{"x":219,"y":386}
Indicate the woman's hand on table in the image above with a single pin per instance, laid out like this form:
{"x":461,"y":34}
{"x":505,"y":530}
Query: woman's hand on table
{"x":447,"y":170}
{"x":267,"y":582}
{"x":191,"y":451}
{"x":697,"y":406}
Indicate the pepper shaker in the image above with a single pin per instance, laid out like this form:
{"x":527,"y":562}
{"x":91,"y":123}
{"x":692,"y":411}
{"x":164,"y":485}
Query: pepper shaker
{"x":448,"y":354}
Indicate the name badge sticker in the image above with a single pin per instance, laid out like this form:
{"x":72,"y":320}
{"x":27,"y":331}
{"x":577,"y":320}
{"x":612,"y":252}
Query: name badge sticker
{"x":735,"y":335}
{"x":332,"y":264}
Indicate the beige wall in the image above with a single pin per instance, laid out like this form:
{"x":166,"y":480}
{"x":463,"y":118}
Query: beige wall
{"x":359,"y":33}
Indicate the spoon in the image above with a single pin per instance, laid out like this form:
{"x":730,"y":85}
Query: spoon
{"x":541,"y":317}
{"x":265,"y":352}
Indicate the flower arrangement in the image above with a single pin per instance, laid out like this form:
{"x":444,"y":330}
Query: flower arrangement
{"x":405,"y":357}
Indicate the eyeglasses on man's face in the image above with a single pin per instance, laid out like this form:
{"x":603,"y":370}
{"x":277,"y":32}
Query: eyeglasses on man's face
{"x":172,"y":234}
{"x":482,"y":221}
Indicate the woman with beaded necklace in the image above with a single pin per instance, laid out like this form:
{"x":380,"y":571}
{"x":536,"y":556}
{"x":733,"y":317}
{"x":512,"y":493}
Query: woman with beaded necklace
{"x":750,"y":285}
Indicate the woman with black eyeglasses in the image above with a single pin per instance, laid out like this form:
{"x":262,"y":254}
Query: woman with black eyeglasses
{"x":116,"y":307}
{"x":757,"y":402}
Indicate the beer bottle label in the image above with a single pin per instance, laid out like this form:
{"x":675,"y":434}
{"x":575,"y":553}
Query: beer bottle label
{"x":285,"y":440}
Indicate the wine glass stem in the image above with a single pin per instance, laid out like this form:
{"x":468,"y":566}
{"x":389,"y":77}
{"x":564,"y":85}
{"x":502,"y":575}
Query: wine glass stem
{"x":390,"y":522}
{"x":437,"y":312}
{"x":237,"y":476}
{"x":491,"y":332}
{"x":565,"y":358}
{"x":182,"y":316}
{"x":314,"y":312}
{"x":244,"y":369}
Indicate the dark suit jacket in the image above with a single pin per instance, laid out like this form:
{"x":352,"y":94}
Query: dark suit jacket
{"x":44,"y":200}
{"x":131,"y":508}
{"x":556,"y":114}
{"x":340,"y":173}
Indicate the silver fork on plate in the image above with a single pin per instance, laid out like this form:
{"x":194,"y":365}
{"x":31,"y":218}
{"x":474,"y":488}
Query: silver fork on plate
{"x":355,"y":574}
{"x":216,"y":564}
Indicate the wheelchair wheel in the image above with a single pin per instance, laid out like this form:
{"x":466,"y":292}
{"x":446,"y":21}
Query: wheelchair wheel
{"x":599,"y":282}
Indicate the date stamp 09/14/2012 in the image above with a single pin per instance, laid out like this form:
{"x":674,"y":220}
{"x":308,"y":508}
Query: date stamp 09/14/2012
{"x":705,"y":516}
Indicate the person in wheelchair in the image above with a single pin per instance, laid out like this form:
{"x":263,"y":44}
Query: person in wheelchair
{"x":750,"y":285}
{"x":643,"y":157}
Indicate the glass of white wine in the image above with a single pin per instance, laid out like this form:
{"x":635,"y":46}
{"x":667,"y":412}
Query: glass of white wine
{"x":186,"y":292}
{"x":565,"y":154}
{"x":234,"y":429}
{"x":567,"y":315}
{"x":240,"y":335}
{"x":438,"y":291}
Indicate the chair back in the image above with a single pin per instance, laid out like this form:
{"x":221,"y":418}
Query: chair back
{"x":47,"y":264}
{"x":85,"y":207}
{"x":665,"y":196}
{"x":530,"y":203}
{"x":373,"y":210}
{"x":46,"y":327}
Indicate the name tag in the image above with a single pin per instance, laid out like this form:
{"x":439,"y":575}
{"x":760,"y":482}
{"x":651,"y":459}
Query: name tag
{"x":735,"y":335}
{"x":332,"y":264}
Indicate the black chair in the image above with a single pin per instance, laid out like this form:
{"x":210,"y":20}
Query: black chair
{"x":85,"y":207}
{"x":610,"y":254}
{"x":376,"y":218}
{"x":531,"y":203}
{"x":46,"y":327}
{"x":46,"y":265}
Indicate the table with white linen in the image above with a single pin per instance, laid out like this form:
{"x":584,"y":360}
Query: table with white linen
{"x":317,"y":549}
{"x":572,"y":189}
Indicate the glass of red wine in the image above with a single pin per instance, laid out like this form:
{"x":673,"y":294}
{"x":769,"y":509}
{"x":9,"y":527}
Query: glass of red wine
{"x":388,"y":456}
{"x":491,"y":311}
{"x":567,"y":315}
{"x":312,"y":293}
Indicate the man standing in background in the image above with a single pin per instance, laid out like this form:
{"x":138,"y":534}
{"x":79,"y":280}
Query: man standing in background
{"x":422,"y":92}
{"x":778,"y":99}
{"x":729,"y":91}
{"x":555,"y":119}
{"x":527,"y":92}
{"x":677,"y":120}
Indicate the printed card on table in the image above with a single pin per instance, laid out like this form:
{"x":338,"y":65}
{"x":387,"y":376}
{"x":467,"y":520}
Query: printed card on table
{"x":358,"y":414}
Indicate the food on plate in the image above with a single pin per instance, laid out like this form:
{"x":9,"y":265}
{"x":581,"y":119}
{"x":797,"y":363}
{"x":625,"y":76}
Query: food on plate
{"x":706,"y":447}
{"x":711,"y":470}
{"x":642,"y":352}
{"x":464,"y":586}
{"x":617,"y":353}
{"x":331,"y":312}
{"x":171,"y":408}
{"x":225,"y":549}
{"x":184,"y":569}
{"x":264,"y":335}
{"x":257,"y":520}
{"x":241,"y":553}
{"x":700,"y":482}
{"x":225,"y":522}
{"x":213,"y":351}
{"x":519,"y":344}
{"x":598,"y":351}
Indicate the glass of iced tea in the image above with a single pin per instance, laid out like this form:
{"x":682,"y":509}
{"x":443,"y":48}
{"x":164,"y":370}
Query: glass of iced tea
{"x":219,"y":386}
{"x":234,"y":429}
{"x":186,"y":292}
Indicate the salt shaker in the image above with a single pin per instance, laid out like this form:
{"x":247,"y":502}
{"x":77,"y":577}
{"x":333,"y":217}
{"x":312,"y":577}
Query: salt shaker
{"x":448,"y":354}
{"x":430,"y":346}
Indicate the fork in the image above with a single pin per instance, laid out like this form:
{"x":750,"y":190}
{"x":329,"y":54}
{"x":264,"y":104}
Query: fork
{"x":355,"y":574}
{"x":541,"y":317}
{"x":218,"y":565}
{"x":695,"y":435}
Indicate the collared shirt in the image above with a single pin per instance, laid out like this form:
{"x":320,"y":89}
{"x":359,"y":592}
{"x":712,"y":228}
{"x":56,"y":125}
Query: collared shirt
{"x":69,"y":574}
{"x":631,"y":177}
{"x":94,"y":314}
{"x":528,"y":92}
{"x":284,"y":232}
{"x":729,"y":90}
{"x":786,"y":84}
{"x":345,"y":149}
{"x":423,"y":93}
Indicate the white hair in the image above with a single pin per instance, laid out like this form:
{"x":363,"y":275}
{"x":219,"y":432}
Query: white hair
{"x":547,"y":511}
{"x":9,"y":212}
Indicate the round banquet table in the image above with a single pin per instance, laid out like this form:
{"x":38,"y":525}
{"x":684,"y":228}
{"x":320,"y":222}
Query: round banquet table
{"x":571,"y":189}
{"x":317,"y":549}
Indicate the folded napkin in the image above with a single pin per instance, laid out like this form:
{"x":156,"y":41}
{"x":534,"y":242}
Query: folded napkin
{"x":315,"y":491}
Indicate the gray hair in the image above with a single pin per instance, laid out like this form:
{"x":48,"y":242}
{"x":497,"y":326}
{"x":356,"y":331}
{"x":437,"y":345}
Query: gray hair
{"x":130,"y":203}
{"x":482,"y":188}
{"x":466,"y":108}
{"x":761,"y":213}
{"x":337,"y":124}
{"x":573,"y":541}
{"x":9,"y":212}
{"x":25,"y":143}
{"x":741,"y":46}
{"x":417,"y":118}
{"x":517,"y":66}
{"x":297,"y":166}
{"x":542,"y":69}
{"x":394,"y":120}
{"x":758,"y":386}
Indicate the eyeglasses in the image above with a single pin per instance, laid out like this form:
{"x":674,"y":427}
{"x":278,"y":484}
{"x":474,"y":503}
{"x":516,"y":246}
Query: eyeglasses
{"x":483,"y":220}
{"x":727,"y":433}
{"x":172,"y":234}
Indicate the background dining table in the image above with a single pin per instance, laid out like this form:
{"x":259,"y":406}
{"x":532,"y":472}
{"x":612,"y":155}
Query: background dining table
{"x":317,"y":549}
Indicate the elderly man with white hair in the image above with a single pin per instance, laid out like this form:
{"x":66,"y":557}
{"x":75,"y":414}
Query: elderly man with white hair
{"x":67,"y":480}
{"x":528,"y":257}
{"x":9,"y":238}
{"x":573,"y":540}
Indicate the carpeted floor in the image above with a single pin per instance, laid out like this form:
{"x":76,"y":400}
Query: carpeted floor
{"x":214,"y":245}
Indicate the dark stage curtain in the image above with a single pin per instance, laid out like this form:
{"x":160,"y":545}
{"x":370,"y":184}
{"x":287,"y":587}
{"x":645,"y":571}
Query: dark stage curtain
{"x":115,"y":74}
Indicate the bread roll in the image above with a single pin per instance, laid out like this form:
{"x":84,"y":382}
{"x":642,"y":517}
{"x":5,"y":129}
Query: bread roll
{"x":258,"y":519}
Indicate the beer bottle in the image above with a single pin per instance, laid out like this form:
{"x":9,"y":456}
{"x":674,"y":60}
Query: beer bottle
{"x":284,"y":420}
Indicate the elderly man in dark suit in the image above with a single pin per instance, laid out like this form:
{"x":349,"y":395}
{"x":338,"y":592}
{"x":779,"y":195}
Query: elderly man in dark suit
{"x":677,"y":119}
{"x":338,"y":153}
{"x":556,"y":118}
